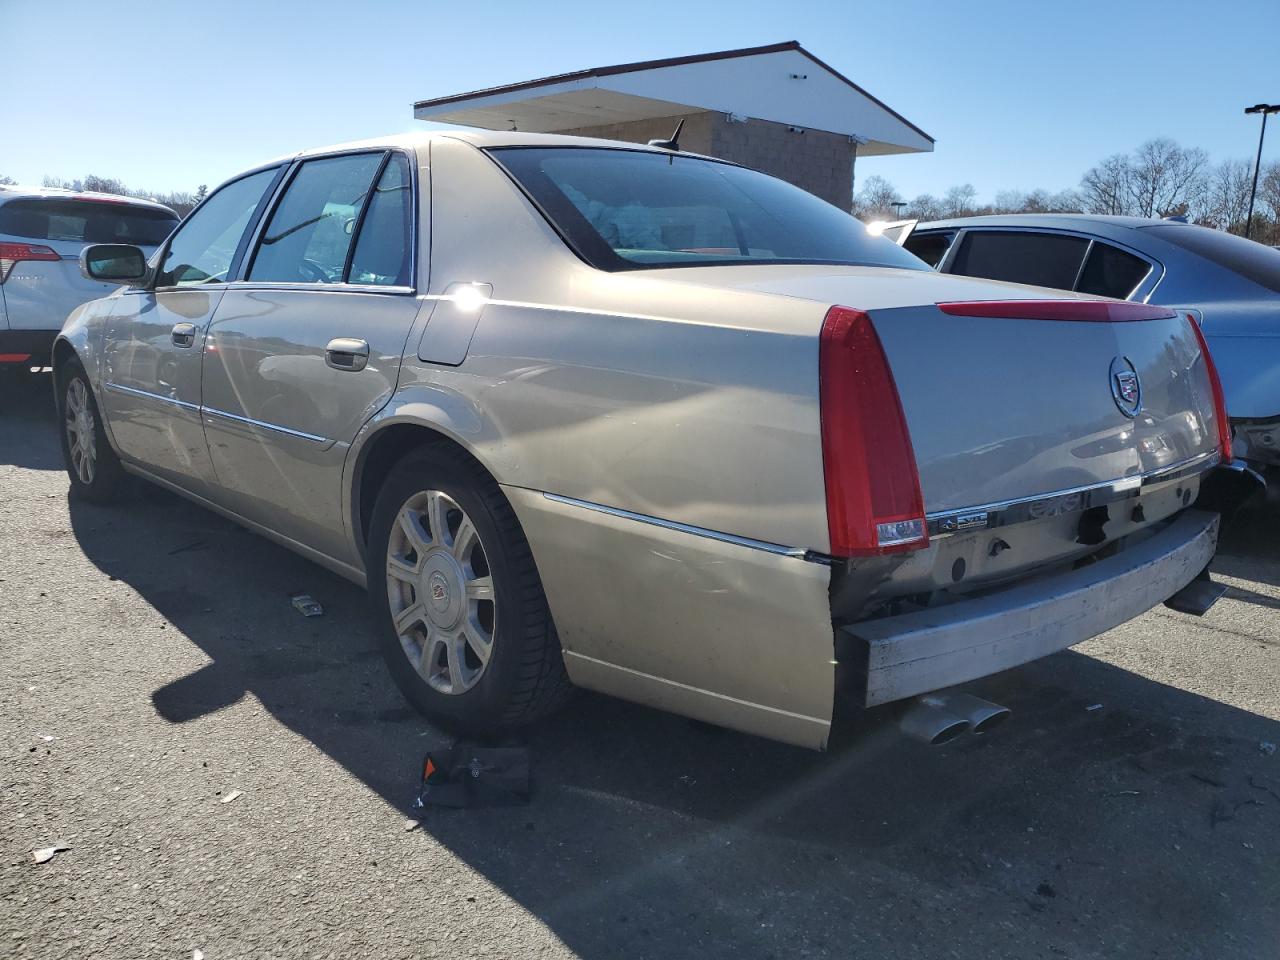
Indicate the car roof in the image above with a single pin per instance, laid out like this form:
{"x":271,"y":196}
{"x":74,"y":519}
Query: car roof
{"x":1061,"y":221}
{"x":13,"y":191}
{"x":477,"y":138}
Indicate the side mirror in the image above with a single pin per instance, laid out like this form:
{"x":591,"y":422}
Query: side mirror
{"x":113,"y":263}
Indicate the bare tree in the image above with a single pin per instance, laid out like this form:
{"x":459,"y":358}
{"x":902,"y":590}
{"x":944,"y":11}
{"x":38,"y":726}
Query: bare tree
{"x":925,"y":207}
{"x":1269,"y":188}
{"x":1105,"y":187}
{"x":876,"y":199}
{"x":7,"y":181}
{"x":1165,"y":178}
{"x":1225,"y":202}
{"x":960,"y":200}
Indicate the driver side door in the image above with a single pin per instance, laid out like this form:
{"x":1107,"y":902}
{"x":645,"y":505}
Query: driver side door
{"x":155,"y":336}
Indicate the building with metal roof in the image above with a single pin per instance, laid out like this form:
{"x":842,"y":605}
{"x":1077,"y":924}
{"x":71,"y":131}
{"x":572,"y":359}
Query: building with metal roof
{"x":775,"y":108}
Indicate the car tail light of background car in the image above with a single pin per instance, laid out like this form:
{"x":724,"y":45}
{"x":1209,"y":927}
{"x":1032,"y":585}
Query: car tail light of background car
{"x":874,"y":502}
{"x":14,"y":253}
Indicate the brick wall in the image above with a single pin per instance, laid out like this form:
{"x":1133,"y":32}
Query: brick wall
{"x":814,"y":160}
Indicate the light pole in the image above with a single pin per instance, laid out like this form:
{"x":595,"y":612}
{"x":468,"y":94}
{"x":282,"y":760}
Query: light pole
{"x":1264,"y":109}
{"x":897,"y":207}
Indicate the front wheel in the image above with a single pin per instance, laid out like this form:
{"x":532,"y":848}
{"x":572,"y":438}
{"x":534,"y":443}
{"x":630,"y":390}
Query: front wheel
{"x":463,"y":622}
{"x":94,"y":468}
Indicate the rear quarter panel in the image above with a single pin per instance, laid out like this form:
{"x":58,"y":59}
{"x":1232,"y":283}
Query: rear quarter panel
{"x":668,"y":400}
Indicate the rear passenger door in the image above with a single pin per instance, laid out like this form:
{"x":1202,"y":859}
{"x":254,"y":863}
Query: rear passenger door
{"x":306,"y":346}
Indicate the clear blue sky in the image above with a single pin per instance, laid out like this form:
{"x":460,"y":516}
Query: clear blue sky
{"x":168,"y":95}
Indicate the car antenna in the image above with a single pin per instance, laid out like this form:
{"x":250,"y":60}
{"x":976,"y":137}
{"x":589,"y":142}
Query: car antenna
{"x":673,"y":143}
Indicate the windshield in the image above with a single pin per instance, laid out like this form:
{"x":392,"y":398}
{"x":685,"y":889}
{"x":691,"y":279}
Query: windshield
{"x":629,"y":209}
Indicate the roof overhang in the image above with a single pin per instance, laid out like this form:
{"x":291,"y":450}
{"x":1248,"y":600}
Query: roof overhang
{"x":782,"y":83}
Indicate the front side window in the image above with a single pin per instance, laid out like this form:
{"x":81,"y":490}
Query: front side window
{"x":1019,"y":256}
{"x":630,"y":209}
{"x":205,"y":245}
{"x":1110,"y":272}
{"x":382,"y":252}
{"x":311,"y":229}
{"x":85,"y":221}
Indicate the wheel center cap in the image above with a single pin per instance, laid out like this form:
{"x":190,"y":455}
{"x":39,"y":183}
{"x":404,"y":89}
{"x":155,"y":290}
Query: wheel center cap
{"x":441,"y":590}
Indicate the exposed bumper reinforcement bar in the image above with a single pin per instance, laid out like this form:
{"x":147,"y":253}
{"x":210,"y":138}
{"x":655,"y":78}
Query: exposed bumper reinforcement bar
{"x":931,"y":649}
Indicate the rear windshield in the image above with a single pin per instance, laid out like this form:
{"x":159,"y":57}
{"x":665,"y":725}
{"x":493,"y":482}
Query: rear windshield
{"x":85,"y":221}
{"x":1253,"y":261}
{"x":628,"y":209}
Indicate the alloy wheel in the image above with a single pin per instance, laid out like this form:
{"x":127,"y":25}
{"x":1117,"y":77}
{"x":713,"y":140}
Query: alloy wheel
{"x":81,"y":431}
{"x":441,"y":592}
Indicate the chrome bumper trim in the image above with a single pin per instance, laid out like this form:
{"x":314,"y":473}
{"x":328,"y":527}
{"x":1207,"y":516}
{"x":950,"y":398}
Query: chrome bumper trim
{"x":774,"y":548}
{"x":947,"y":523}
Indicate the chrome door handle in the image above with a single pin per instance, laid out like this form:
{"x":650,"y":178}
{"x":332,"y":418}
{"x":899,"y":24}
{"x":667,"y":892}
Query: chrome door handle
{"x":184,"y":334}
{"x":346,"y":353}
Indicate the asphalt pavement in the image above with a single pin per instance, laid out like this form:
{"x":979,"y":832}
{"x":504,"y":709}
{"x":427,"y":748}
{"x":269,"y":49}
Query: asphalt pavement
{"x":154,"y":666}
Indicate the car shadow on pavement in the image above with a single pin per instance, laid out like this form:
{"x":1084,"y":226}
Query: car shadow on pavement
{"x":1149,"y":823}
{"x":28,"y":421}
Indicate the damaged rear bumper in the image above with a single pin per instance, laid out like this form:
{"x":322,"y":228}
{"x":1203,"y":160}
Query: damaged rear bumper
{"x":928,"y":650}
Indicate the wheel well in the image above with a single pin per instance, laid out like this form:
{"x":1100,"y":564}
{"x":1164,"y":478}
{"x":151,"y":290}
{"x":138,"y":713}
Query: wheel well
{"x":378,"y":458}
{"x":62,"y":352}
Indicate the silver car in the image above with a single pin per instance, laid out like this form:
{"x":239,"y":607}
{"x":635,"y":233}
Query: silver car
{"x":41,"y":234}
{"x":580,"y":412}
{"x":1229,"y":284}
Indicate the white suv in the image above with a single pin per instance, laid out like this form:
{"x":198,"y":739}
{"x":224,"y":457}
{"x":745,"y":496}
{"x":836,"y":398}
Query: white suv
{"x":41,"y":234}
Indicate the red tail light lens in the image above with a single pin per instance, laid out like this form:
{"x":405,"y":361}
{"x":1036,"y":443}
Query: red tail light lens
{"x":12,"y":253}
{"x":1219,"y":398}
{"x":874,"y":503}
{"x":1090,"y":311}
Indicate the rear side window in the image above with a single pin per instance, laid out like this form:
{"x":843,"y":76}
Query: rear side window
{"x":85,"y":221}
{"x":1041,"y":259}
{"x":311,"y":229}
{"x":1253,"y":261}
{"x":205,"y":245}
{"x":1110,"y":272}
{"x":382,"y":250}
{"x":929,"y":247}
{"x":631,"y":209}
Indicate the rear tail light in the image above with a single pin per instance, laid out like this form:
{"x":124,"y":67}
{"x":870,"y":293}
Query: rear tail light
{"x":1091,"y":311}
{"x":874,"y":503}
{"x":1219,"y":398}
{"x":13,"y":253}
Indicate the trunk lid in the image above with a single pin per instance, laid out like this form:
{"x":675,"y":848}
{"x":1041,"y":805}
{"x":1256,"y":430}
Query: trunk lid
{"x":1012,"y":409}
{"x":1009,"y":409}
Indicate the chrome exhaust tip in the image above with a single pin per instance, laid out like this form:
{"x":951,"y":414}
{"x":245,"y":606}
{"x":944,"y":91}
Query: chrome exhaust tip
{"x":982,"y":715}
{"x":929,"y":721}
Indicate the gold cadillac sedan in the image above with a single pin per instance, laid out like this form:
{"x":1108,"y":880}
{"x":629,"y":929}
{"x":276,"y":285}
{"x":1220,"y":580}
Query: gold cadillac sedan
{"x":596,"y":414}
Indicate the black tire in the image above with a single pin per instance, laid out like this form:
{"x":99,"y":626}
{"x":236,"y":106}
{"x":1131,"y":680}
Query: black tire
{"x":106,"y":482}
{"x":524,"y":678}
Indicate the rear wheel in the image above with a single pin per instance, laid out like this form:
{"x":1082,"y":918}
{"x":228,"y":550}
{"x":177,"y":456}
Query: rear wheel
{"x":463,"y":622}
{"x":94,"y":468}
